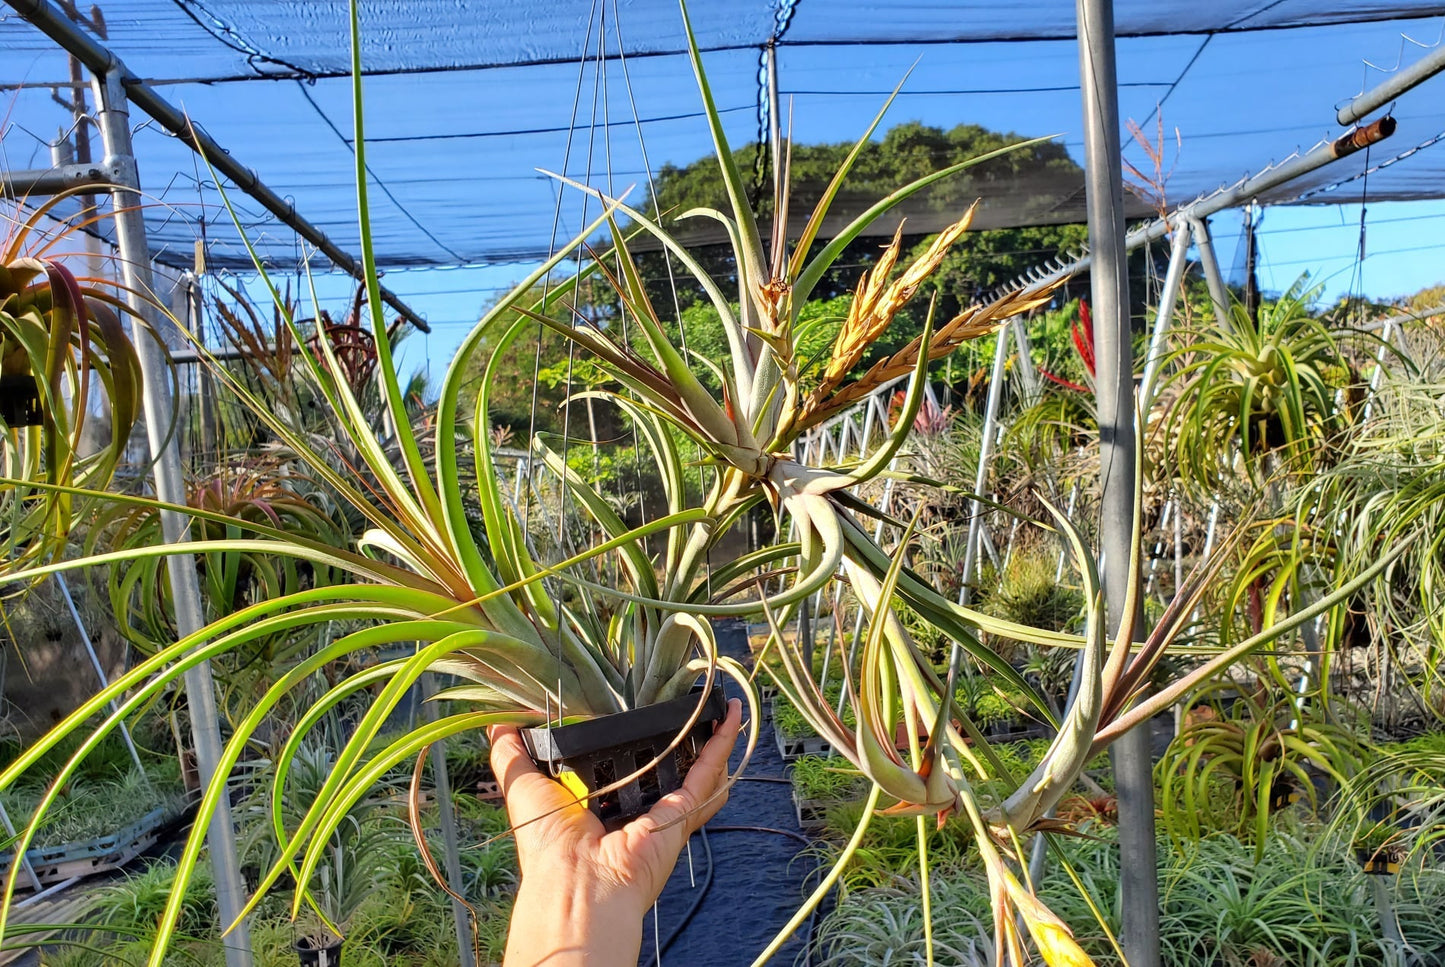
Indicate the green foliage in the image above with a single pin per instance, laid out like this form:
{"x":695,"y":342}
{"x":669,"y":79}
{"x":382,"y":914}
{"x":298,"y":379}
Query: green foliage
{"x":1231,"y":774}
{"x":818,"y":777}
{"x":1265,"y":389}
{"x":888,"y":854}
{"x":90,"y":808}
{"x":136,"y":903}
{"x":906,"y":152}
{"x":884,"y":925}
{"x":1028,"y":594}
{"x":1219,"y":907}
{"x":793,"y":724}
{"x":64,"y":355}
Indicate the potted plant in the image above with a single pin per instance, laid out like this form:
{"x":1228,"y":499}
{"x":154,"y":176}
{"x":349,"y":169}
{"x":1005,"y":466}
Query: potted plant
{"x":542,"y":642}
{"x":795,"y":733}
{"x":819,"y":784}
{"x":1231,"y":773}
{"x":1379,"y":848}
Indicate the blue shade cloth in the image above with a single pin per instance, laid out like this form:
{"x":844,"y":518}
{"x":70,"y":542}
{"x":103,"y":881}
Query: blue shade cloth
{"x":466,"y":101}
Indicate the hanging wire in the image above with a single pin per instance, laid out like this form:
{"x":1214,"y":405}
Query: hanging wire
{"x":526,"y":514}
{"x":1357,"y":283}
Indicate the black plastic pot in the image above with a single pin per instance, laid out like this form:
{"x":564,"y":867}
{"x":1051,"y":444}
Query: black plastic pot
{"x":1381,"y":862}
{"x":20,"y":401}
{"x":328,"y":955}
{"x":600,"y":751}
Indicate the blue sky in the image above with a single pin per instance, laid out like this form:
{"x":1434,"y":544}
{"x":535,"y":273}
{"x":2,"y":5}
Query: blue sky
{"x":1237,"y":102}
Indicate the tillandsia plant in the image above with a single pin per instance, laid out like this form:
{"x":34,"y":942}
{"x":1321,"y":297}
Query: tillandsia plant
{"x":539,"y":640}
{"x":1278,"y":390}
{"x":62,"y":349}
{"x":1233,"y":773}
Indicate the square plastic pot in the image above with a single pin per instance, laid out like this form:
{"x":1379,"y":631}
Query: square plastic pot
{"x":591,"y":755}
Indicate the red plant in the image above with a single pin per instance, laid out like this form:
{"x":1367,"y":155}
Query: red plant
{"x":1082,"y":331}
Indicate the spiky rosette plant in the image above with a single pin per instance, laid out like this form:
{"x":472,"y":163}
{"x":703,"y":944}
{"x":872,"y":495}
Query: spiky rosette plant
{"x":538,"y":639}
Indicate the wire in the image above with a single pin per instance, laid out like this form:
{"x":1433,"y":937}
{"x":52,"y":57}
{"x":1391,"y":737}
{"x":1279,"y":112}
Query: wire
{"x":660,"y":948}
{"x":385,"y":189}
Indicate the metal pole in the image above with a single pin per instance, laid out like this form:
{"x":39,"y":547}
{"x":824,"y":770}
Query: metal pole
{"x":54,"y":24}
{"x":1114,"y":389}
{"x":1173,"y":279}
{"x":1218,"y":293}
{"x":9,"y":828}
{"x":99,"y":670}
{"x":1028,"y":373}
{"x":1392,"y":87}
{"x":207,"y":411}
{"x":114,"y":121}
{"x":446,"y":815}
{"x":985,"y":452}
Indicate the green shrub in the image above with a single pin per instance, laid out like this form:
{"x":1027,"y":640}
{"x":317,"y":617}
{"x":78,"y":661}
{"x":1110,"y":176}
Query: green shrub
{"x":1300,"y":905}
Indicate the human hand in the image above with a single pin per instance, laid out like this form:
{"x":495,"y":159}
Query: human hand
{"x":584,"y":890}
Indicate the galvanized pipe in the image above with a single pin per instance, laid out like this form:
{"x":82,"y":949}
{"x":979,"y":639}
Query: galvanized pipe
{"x":446,"y":816}
{"x":52,"y":22}
{"x":1114,"y":391}
{"x":1173,"y":280}
{"x":1229,"y":197}
{"x":99,"y":669}
{"x":114,"y":122}
{"x":1213,"y":277}
{"x":985,"y":453}
{"x":1393,"y":86}
{"x":52,"y":181}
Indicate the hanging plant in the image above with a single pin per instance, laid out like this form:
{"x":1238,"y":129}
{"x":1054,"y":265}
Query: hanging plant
{"x":63,"y":354}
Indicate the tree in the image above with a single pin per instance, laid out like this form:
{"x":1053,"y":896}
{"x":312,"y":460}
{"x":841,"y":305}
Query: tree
{"x":981,"y":261}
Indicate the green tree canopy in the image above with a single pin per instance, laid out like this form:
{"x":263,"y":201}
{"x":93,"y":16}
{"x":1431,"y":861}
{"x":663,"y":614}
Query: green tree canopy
{"x":981,"y":261}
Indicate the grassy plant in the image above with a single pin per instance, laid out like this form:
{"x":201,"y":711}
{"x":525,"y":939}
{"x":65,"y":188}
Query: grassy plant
{"x":791,"y":722}
{"x":1028,"y":593}
{"x":94,"y":807}
{"x":816,"y":777}
{"x":885,"y":927}
{"x":1264,"y":389}
{"x":888,"y":854}
{"x":1298,"y":904}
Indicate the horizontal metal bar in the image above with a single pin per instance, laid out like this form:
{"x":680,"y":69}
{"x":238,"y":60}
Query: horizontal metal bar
{"x":1404,"y":317}
{"x":52,"y":181}
{"x":100,"y":60}
{"x":1393,"y":86}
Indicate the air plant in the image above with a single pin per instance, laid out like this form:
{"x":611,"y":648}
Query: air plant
{"x":62,"y":346}
{"x":1266,"y":389}
{"x":539,"y":640}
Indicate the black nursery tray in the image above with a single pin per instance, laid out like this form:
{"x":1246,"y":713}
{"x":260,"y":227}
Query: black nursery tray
{"x":600,"y":751}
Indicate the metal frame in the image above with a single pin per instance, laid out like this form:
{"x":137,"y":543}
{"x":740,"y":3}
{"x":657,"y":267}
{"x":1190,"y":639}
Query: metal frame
{"x":1200,"y":209}
{"x":1392,"y":87}
{"x":113,"y":121}
{"x":1114,"y":390}
{"x":103,"y":62}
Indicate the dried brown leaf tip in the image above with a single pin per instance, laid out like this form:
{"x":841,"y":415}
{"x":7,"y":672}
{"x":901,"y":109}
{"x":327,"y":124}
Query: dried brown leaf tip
{"x":972,"y":323}
{"x":878,"y":300}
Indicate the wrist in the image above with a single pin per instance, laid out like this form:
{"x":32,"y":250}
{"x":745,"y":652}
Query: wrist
{"x":562,"y":919}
